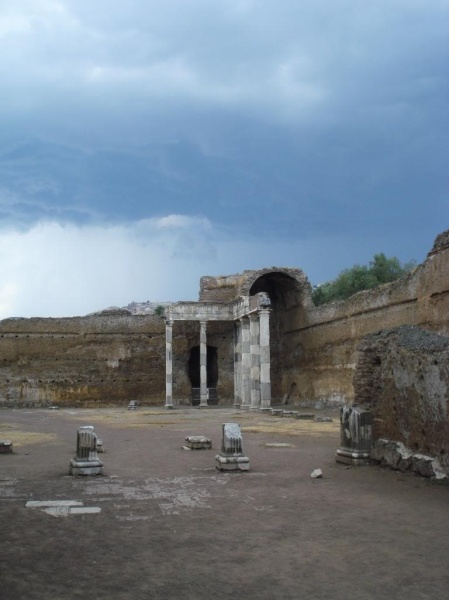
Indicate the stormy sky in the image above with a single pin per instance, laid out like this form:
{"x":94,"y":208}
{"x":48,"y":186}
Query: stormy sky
{"x":144,"y":144}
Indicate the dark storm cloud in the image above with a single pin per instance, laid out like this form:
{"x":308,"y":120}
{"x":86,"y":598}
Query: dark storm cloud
{"x":288,"y":122}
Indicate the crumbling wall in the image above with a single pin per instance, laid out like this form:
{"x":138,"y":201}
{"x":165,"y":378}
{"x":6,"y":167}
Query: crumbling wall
{"x":115,"y":356}
{"x":96,"y":360}
{"x":320,"y":343}
{"x":402,"y":375}
{"x":219,"y":289}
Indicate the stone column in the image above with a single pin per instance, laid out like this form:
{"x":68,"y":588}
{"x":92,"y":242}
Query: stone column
{"x":168,"y":364}
{"x":203,"y":364}
{"x":254,"y":332}
{"x":237,"y":364}
{"x":245,"y":380}
{"x":265,"y":379}
{"x":356,"y":430}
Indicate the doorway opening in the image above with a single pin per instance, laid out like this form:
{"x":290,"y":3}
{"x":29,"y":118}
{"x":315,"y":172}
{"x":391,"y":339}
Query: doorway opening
{"x":193,"y":371}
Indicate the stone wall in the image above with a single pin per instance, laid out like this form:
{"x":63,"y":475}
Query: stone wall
{"x":95,"y":360}
{"x":114,"y":356}
{"x":320,"y":343}
{"x":402,"y":375}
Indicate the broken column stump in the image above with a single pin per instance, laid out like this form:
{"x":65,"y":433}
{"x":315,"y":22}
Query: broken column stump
{"x":231,"y":457}
{"x":198,"y":442}
{"x":86,"y":461}
{"x":5,"y":447}
{"x":356,"y":436}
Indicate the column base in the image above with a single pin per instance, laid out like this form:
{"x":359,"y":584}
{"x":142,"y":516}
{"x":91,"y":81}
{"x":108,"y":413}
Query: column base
{"x":231,"y":463}
{"x":85,"y":467}
{"x":352,"y":457}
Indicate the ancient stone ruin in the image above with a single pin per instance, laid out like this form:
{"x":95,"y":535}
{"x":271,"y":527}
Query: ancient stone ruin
{"x":402,"y":377}
{"x":356,"y":436}
{"x":231,"y":457}
{"x":253,"y":340}
{"x":86,"y":461}
{"x":6,"y":447}
{"x":198,"y":442}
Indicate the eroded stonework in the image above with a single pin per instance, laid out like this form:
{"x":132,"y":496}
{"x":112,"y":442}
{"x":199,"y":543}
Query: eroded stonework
{"x":402,"y":376}
{"x":114,"y":356}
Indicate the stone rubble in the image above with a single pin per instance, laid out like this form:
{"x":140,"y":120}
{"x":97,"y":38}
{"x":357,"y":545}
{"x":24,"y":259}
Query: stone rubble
{"x":198,"y":442}
{"x":396,"y":456}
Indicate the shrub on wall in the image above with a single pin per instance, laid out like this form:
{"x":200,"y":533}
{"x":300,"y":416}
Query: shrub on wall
{"x":361,"y":277}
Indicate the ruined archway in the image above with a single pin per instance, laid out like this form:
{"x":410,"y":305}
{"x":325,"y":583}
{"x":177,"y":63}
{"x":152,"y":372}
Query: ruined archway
{"x":288,"y":290}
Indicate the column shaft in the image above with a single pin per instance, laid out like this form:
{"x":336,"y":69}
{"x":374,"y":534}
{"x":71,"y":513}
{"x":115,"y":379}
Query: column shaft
{"x":203,"y":364}
{"x":245,"y":380}
{"x":168,"y":364}
{"x":265,"y":377}
{"x":254,"y":329}
{"x":237,"y":363}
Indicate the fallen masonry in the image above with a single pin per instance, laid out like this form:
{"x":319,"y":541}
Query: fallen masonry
{"x":5,"y":447}
{"x":198,"y":442}
{"x":398,"y":457}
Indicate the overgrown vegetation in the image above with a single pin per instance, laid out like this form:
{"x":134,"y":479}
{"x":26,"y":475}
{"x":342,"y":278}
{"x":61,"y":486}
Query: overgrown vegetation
{"x":159,"y":311}
{"x":361,"y":277}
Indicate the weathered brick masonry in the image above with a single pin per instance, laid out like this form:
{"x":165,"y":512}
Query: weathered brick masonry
{"x":402,"y":376}
{"x":115,"y":356}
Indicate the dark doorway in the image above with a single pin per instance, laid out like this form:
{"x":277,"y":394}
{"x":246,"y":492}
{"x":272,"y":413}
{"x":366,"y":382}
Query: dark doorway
{"x":285,"y":295}
{"x":193,"y":371}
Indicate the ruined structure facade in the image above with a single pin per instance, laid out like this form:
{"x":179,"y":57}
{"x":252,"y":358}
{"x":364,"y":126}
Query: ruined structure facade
{"x":402,"y":378}
{"x":197,"y":354}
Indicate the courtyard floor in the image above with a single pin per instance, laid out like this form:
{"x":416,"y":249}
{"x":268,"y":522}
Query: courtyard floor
{"x":172,"y":527}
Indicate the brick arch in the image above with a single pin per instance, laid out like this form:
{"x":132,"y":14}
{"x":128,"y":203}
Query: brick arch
{"x":285,"y":286}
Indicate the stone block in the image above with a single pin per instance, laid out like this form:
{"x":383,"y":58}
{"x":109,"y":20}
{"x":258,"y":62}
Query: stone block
{"x":198,"y":442}
{"x":231,"y":463}
{"x":396,"y":456}
{"x":5,"y":447}
{"x":305,"y":416}
{"x":85,"y":467}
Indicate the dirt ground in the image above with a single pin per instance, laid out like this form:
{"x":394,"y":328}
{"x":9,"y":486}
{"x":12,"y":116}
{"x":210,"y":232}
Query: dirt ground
{"x":172,"y":527}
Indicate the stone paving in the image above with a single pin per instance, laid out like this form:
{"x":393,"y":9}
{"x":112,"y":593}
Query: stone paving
{"x":165,"y":523}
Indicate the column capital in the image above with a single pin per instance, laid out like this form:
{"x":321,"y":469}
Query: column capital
{"x":168,"y":323}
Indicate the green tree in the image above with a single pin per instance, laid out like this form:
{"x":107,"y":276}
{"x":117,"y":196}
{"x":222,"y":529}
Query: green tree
{"x":159,"y":311}
{"x":361,"y":277}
